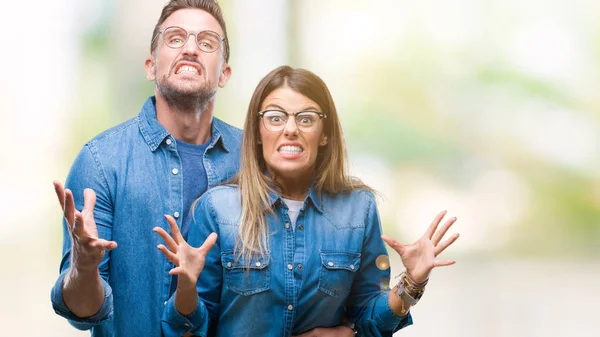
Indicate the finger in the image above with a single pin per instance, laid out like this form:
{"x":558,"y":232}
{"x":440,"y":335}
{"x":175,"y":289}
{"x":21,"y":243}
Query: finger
{"x":209,"y":242}
{"x":103,"y":244}
{"x":443,"y":263}
{"x":434,"y":224}
{"x":60,"y":193}
{"x":442,"y":246}
{"x":77,"y":227}
{"x":176,"y":271}
{"x":437,"y":237}
{"x":89,"y":201}
{"x":397,"y":246}
{"x":174,"y":229}
{"x":168,"y":254}
{"x":166,"y":238}
{"x":69,"y":208}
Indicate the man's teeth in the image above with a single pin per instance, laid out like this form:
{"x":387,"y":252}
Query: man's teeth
{"x":290,"y":149}
{"x":188,"y":69}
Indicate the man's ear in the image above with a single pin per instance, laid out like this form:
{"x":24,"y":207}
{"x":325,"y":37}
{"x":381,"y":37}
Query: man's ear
{"x":150,"y":66}
{"x":225,"y":74}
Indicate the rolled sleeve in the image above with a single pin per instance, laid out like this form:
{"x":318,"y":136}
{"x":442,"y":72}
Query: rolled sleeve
{"x":82,"y":323}
{"x":367,"y":306}
{"x":385,"y":318}
{"x":176,"y":324}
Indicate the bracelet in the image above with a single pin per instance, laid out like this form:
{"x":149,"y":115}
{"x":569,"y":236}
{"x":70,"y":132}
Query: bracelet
{"x":413,"y":282}
{"x":410,"y":291}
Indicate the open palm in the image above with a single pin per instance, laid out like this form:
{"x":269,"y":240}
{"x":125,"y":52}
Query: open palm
{"x":419,"y":258}
{"x":188,"y":261}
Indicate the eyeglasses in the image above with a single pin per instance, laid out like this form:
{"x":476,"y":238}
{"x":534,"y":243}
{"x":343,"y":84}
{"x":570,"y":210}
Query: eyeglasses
{"x":176,"y":37}
{"x":306,"y":121}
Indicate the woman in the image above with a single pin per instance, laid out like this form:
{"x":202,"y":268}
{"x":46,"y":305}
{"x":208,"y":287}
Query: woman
{"x":299,"y":241}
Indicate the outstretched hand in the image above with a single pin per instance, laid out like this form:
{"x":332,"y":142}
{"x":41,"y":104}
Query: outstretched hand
{"x":419,"y":258}
{"x":188,"y":261}
{"x":88,"y":249}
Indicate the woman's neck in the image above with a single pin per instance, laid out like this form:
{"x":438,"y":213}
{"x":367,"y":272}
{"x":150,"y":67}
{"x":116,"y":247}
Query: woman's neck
{"x":294,"y":188}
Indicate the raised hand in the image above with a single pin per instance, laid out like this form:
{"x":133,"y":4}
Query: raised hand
{"x":87,"y":248}
{"x":419,"y":258}
{"x":188,"y":261}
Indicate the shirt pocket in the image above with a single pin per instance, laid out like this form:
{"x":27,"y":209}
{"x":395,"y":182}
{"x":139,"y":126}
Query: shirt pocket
{"x":337,"y":272}
{"x":246,"y":280}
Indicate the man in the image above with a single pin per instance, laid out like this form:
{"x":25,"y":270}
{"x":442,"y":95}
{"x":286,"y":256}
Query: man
{"x":133,"y":174}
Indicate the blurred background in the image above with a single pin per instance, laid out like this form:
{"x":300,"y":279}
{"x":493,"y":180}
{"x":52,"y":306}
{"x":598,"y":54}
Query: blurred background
{"x":489,"y":109}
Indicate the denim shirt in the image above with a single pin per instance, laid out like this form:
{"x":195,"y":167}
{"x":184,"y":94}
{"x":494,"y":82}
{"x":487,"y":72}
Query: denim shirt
{"x":308,"y":277}
{"x":135,"y":170}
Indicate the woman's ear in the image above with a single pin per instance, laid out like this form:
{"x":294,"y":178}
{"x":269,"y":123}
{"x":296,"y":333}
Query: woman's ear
{"x":323,"y":141}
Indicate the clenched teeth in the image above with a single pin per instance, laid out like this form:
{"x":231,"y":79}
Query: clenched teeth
{"x":290,"y":149}
{"x":188,"y":69}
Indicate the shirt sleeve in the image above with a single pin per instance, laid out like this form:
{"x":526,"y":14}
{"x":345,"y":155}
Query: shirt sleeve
{"x":87,"y":172}
{"x":203,"y":320}
{"x":368,"y":304}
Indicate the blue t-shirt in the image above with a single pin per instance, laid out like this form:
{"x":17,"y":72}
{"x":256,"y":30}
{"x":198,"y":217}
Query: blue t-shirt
{"x":194,"y":177}
{"x":195,"y":182}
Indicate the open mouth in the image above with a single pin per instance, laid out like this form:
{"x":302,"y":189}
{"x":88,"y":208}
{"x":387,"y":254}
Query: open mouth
{"x":187,"y":69}
{"x":290,"y":149}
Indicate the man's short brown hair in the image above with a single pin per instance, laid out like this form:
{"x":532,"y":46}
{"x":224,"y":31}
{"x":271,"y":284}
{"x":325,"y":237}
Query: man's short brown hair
{"x":209,"y":6}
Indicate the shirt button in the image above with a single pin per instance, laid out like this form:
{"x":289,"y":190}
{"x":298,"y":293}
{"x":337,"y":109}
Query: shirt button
{"x":290,"y":307}
{"x":300,"y":227}
{"x":290,"y":267}
{"x":187,"y":325}
{"x":176,"y":215}
{"x":229,"y":264}
{"x":330,"y":264}
{"x":257,"y":264}
{"x":165,"y":303}
{"x":287,"y":225}
{"x":300,"y":267}
{"x":352,"y":266}
{"x":169,"y":142}
{"x":175,"y":171}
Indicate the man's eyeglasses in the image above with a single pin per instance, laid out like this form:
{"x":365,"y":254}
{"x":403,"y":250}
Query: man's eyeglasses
{"x":306,"y":121}
{"x":176,"y":37}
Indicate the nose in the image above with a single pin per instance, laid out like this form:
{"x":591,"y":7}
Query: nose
{"x":191,"y":46}
{"x":290,"y":127}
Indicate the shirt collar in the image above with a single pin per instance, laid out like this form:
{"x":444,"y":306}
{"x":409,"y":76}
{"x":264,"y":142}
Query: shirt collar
{"x":312,"y":198}
{"x":154,"y":133}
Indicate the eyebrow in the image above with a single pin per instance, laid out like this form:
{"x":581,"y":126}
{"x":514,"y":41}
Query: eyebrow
{"x":277,"y":107}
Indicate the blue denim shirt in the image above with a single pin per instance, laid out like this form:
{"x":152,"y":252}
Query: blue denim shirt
{"x":135,"y":170}
{"x":305,"y":280}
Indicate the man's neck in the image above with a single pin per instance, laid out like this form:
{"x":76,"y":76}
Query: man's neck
{"x":193,"y":127}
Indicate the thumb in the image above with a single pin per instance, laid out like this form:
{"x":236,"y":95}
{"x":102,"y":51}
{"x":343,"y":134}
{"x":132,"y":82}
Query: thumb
{"x":89,"y":201}
{"x":397,"y":246}
{"x":209,"y":242}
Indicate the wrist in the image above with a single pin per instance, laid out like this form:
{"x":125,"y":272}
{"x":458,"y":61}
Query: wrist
{"x":186,"y":284}
{"x":84,"y":268}
{"x":416,"y":279}
{"x":408,"y":290}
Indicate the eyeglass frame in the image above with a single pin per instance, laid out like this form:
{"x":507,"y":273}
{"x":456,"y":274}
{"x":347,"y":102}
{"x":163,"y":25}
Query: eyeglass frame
{"x":221,"y":39}
{"x":261,"y":114}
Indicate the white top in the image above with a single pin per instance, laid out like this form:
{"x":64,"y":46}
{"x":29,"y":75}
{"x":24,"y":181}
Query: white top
{"x":294,"y":208}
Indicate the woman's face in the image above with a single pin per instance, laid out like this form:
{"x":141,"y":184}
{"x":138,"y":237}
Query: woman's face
{"x":290,"y":153}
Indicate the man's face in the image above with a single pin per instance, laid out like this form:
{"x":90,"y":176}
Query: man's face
{"x":188,"y":70}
